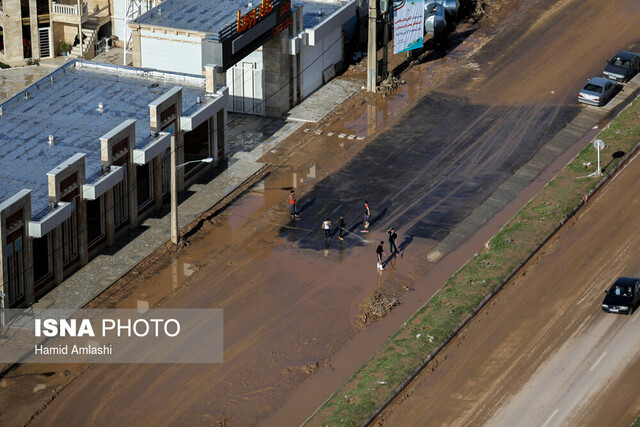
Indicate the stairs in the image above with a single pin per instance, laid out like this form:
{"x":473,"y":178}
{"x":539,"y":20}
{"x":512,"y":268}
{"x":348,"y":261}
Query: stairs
{"x":89,"y":35}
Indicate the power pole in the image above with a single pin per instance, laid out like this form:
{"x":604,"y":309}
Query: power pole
{"x":372,"y":51}
{"x":384,"y":6}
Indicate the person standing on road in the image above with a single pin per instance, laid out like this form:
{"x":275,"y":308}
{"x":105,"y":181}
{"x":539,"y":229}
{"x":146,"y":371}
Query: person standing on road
{"x":380,"y":254}
{"x":342,"y":225}
{"x":326,"y":226}
{"x":392,"y":241}
{"x":367,"y":216}
{"x":292,"y":204}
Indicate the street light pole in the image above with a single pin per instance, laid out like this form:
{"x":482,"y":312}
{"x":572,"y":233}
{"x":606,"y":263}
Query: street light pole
{"x":174,"y":192}
{"x":175,"y":233}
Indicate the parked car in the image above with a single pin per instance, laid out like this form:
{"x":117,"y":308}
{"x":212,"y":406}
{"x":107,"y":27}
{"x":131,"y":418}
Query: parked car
{"x":597,"y":91}
{"x":623,"y":296}
{"x":622,"y":67}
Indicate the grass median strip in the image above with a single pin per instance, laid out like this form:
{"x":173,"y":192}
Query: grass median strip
{"x":431,"y":326}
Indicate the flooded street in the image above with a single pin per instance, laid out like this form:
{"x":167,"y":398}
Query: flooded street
{"x":297,"y":317}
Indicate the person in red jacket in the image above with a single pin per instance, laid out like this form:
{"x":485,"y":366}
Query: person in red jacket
{"x":292,"y":204}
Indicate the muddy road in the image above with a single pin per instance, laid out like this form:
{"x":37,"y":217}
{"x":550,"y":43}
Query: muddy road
{"x":291,"y":299}
{"x":542,"y":352}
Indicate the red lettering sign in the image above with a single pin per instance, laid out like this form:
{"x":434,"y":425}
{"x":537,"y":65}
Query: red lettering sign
{"x":282,"y":26}
{"x":285,"y":8}
{"x":254,"y":16}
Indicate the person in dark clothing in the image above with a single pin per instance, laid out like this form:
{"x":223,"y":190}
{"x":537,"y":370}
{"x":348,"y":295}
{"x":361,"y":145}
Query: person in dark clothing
{"x":342,"y":226}
{"x":380,"y":254}
{"x":393,"y":236}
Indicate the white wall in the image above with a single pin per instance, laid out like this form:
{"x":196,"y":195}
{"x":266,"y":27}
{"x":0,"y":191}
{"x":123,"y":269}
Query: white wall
{"x":170,"y":52}
{"x":120,"y":10}
{"x":245,"y":81}
{"x":331,"y":45}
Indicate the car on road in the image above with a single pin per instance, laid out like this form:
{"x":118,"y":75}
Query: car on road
{"x":623,"y":296}
{"x":622,"y":67}
{"x":597,"y":91}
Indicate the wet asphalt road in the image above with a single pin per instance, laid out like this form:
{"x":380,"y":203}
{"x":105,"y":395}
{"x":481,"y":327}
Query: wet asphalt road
{"x":428,"y":172}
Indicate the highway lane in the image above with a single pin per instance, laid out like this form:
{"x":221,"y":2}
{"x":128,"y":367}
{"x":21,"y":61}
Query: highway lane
{"x":542,"y":352}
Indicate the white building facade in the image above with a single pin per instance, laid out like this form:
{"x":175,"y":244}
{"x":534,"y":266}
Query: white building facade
{"x":272,"y":49}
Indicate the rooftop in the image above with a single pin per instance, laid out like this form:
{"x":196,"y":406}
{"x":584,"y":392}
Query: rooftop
{"x":65,"y":104}
{"x":210,"y":16}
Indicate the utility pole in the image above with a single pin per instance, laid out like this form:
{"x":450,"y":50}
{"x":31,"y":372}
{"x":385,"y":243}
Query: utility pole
{"x":372,"y":51}
{"x":384,"y":9}
{"x":175,"y":232}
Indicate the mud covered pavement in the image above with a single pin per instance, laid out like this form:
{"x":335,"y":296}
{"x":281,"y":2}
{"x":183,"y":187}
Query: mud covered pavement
{"x":291,"y":299}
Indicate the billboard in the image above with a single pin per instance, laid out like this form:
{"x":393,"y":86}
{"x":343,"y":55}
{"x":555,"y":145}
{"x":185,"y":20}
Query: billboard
{"x":408,"y":25}
{"x":250,"y":31}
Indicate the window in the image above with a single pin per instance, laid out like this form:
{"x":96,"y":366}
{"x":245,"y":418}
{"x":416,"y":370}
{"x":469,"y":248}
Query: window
{"x":220,"y":129}
{"x":26,"y":29}
{"x":121,"y":204}
{"x":70,"y":236}
{"x":15,"y":270}
{"x":196,"y":145}
{"x":42,"y":259}
{"x":1,"y":34}
{"x":95,"y":220}
{"x":42,"y":7}
{"x":144,"y":185}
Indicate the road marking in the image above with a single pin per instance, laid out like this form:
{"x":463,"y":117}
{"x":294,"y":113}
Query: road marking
{"x":550,"y":418}
{"x":598,"y":361}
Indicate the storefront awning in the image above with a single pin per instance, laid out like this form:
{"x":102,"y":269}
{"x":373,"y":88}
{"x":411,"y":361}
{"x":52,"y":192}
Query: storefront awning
{"x":208,"y":109}
{"x":96,"y":189}
{"x":157,"y":146}
{"x":51,"y":220}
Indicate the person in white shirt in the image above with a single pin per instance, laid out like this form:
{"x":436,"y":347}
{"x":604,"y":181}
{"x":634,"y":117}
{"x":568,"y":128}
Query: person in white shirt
{"x":326,"y":226}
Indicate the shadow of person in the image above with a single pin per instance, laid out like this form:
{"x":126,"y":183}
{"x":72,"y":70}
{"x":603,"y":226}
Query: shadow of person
{"x":378,"y":217}
{"x":402,"y":246}
{"x":306,"y":205}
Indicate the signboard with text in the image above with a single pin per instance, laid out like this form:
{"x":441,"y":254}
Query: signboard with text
{"x":408,"y":25}
{"x":253,"y":28}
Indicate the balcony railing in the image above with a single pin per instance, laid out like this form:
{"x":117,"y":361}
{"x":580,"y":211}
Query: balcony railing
{"x":67,"y":9}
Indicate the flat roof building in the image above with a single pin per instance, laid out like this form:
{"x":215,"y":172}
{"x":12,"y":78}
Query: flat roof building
{"x":270,"y":53}
{"x":83,"y":159}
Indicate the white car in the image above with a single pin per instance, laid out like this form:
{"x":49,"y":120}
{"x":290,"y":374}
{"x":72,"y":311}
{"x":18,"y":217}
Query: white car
{"x":597,"y":91}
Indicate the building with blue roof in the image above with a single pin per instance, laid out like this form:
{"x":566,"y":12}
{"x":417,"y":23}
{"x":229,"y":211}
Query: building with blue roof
{"x":84,"y":158}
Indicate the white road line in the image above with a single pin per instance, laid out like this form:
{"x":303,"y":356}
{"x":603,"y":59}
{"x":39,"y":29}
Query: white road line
{"x":598,"y":361}
{"x":550,"y":418}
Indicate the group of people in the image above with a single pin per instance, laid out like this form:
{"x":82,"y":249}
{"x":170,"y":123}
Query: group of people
{"x":326,"y":227}
{"x":393,"y":236}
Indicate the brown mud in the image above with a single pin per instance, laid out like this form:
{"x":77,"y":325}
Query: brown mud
{"x":287,"y":310}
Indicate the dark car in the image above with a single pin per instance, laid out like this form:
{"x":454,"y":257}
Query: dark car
{"x":623,"y":296}
{"x":622,"y":67}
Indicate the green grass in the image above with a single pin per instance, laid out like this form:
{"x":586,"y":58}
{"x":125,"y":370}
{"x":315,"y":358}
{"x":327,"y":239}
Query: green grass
{"x":433,"y":323}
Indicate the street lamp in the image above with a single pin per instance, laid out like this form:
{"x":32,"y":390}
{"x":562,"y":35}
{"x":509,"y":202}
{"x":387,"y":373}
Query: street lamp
{"x":175,"y":234}
{"x":207,"y":160}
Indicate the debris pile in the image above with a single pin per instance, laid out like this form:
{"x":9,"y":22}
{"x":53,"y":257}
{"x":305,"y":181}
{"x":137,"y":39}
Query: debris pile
{"x":376,"y":306}
{"x":390,"y":84}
